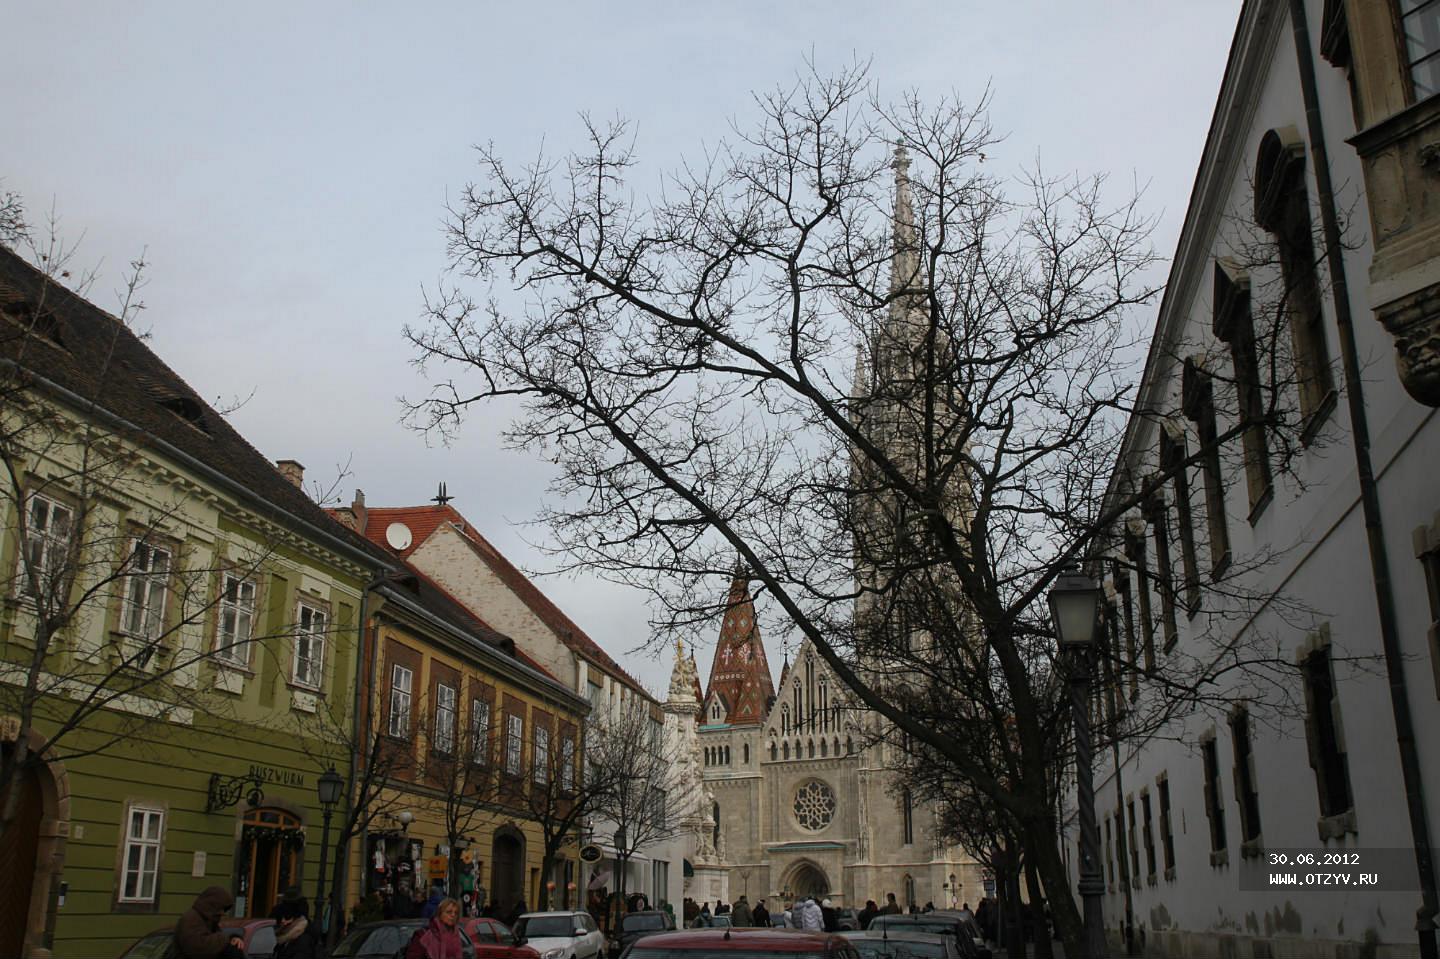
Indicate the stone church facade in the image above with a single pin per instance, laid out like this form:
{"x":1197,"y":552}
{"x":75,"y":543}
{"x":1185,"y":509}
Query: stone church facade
{"x":799,"y":803}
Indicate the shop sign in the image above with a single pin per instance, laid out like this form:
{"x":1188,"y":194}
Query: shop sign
{"x":591,"y":853}
{"x":277,"y":775}
{"x":439,"y":866}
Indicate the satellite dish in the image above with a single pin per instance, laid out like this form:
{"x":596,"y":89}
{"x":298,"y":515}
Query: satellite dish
{"x":398,"y":536}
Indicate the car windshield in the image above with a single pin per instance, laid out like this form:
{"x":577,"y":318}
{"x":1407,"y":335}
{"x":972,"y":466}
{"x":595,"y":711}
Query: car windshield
{"x":547,"y":927}
{"x":945,"y":927}
{"x":152,"y":946}
{"x":642,"y":923}
{"x":377,"y":940}
{"x":898,"y":949}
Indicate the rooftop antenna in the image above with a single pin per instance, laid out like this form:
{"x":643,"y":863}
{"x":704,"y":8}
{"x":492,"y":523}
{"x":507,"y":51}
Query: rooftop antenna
{"x":442,"y":497}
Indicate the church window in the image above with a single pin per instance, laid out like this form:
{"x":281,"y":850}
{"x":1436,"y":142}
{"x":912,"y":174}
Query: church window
{"x":745,"y":753}
{"x":836,"y":746}
{"x":799,"y":713}
{"x":910,"y":889}
{"x":849,"y":746}
{"x":811,"y":748}
{"x":907,"y":820}
{"x":772,"y":750}
{"x":785,"y":718}
{"x":786,"y":750}
{"x":814,"y":805}
{"x":824,"y":705}
{"x":823,"y":749}
{"x":727,"y":755}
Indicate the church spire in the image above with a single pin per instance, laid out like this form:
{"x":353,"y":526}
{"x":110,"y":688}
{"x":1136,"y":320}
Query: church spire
{"x":905,"y":264}
{"x":740,"y":673}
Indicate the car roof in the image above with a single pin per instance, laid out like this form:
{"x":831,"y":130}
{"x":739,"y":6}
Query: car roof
{"x":646,"y":912}
{"x":768,"y":940}
{"x":905,"y":936}
{"x":553,"y":912}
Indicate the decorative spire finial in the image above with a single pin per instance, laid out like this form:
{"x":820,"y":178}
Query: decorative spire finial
{"x":906,"y":252}
{"x":442,"y":497}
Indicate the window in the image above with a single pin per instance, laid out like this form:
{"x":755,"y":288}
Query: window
{"x":907,"y":813}
{"x":540,"y":755}
{"x":1167,"y":832}
{"x":1420,"y":22}
{"x":514,"y":743}
{"x":1245,"y":793}
{"x":1164,"y":579}
{"x":1282,"y":207}
{"x":1135,"y":551}
{"x":567,"y":762}
{"x":1130,"y":839}
{"x":1214,"y":808}
{"x":1199,"y":405}
{"x":1109,"y":852}
{"x":480,"y":732}
{"x":1148,"y":833}
{"x":140,"y":863}
{"x":236,"y":620}
{"x":1127,"y":609}
{"x":47,"y":538}
{"x":444,"y":719}
{"x":773,"y":751}
{"x":1234,"y":325}
{"x":1327,"y":758}
{"x":401,"y":684}
{"x":143,"y":615}
{"x":310,"y":647}
{"x":1173,"y":455}
{"x":745,"y":753}
{"x":785,"y":718}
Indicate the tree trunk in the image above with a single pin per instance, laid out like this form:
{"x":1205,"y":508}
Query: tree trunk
{"x":1037,"y":903}
{"x":547,"y":867}
{"x":1040,"y":845}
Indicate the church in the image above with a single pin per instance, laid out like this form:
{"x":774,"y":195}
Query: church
{"x":799,"y":802}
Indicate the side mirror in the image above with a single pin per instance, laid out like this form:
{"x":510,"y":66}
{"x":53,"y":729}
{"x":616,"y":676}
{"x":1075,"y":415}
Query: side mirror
{"x":580,"y":931}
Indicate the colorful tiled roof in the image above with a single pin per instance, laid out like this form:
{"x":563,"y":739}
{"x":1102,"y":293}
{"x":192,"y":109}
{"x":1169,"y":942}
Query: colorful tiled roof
{"x":740,"y":674}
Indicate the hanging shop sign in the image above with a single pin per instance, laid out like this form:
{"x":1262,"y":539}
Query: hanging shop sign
{"x":591,"y":853}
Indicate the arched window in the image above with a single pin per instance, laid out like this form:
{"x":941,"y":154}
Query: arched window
{"x":772,"y":751}
{"x":811,"y":748}
{"x":849,"y":746}
{"x":824,"y":704}
{"x":910,"y":889}
{"x":837,"y":745}
{"x":727,"y":755}
{"x":785,"y":718}
{"x":786,"y":749}
{"x":745,"y":753}
{"x":715,"y":814}
{"x":799,"y":713}
{"x":823,"y":749}
{"x":907,"y":822}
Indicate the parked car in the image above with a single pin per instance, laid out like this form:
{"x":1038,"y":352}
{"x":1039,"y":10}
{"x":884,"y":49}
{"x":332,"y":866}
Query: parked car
{"x":638,"y":925}
{"x":847,"y":919}
{"x":387,"y":940}
{"x":561,"y":935}
{"x":259,"y":936}
{"x":895,"y":944}
{"x":702,"y":943}
{"x":493,"y":939}
{"x":973,"y":927}
{"x":963,"y":930}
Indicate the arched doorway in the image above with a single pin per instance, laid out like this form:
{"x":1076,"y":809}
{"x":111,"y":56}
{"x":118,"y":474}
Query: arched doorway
{"x":805,"y":879}
{"x":18,"y":850}
{"x":272,"y":846}
{"x":507,"y":868}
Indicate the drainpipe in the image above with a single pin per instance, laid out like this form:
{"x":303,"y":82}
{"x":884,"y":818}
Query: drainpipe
{"x":1369,"y":497}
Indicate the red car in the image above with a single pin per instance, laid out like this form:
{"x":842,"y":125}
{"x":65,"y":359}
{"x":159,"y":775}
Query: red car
{"x":745,"y":943}
{"x":494,"y":940}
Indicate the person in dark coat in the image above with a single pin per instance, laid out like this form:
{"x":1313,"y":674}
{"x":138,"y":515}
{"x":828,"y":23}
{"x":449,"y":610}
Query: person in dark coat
{"x":892,"y":908}
{"x":868,"y":913}
{"x":294,"y":936}
{"x":197,"y":933}
{"x":437,"y":895}
{"x":515,"y":914}
{"x":829,"y":918}
{"x":761,"y":916}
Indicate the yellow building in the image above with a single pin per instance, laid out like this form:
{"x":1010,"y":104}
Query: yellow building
{"x":473,"y":750}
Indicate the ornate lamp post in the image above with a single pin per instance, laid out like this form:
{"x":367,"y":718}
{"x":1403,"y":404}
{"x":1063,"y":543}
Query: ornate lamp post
{"x":1074,"y":607}
{"x":330,"y":786}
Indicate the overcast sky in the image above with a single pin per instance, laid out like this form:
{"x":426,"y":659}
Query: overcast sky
{"x":283,"y":166}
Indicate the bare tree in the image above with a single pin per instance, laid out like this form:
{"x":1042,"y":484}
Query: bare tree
{"x":895,"y":385}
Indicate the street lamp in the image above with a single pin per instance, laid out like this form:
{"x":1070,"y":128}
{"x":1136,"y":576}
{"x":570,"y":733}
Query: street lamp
{"x":329,"y":787}
{"x":1075,"y":607}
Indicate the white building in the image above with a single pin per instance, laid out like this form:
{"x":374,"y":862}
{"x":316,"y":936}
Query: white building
{"x":1196,"y":814}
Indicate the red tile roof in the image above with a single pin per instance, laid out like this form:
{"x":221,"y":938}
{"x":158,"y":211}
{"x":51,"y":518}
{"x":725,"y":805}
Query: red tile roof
{"x":740,"y":674}
{"x":423,"y":521}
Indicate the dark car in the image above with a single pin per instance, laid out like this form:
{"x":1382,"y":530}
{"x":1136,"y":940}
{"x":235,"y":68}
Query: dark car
{"x":387,"y":940}
{"x":741,"y":944}
{"x":638,"y":925}
{"x":493,"y":939}
{"x":895,"y":944}
{"x":933,"y":922}
{"x":847,"y":919}
{"x":259,"y":936}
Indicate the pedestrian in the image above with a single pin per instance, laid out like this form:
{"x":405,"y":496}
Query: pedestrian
{"x":198,"y":934}
{"x":868,"y":913}
{"x":787,"y":916}
{"x":440,"y":939}
{"x":983,"y":918}
{"x":811,"y":918}
{"x":929,"y":907}
{"x":437,"y":896}
{"x":966,"y":913}
{"x":294,"y":938}
{"x":761,"y":915}
{"x":892,"y":908}
{"x":722,"y":908}
{"x":741,"y":915}
{"x":829,"y":918}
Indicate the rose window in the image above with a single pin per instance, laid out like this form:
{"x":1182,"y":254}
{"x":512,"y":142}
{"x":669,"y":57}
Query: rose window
{"x":814,"y":805}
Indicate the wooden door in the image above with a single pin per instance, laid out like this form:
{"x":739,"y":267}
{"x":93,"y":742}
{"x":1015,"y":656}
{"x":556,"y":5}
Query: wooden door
{"x":17,"y":878}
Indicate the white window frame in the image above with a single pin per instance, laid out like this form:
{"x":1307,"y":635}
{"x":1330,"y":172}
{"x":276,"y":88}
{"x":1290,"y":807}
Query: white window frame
{"x":146,"y":590}
{"x":479,"y":732}
{"x":567,"y":762}
{"x":43,"y":546}
{"x":445,"y":702}
{"x":309,"y":645}
{"x":232,"y":642}
{"x":514,"y":744}
{"x":145,"y":847}
{"x":402,"y":689}
{"x":540,"y":755}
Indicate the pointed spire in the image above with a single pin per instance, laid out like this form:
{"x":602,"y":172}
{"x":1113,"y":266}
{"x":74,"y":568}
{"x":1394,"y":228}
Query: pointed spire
{"x":906,"y":249}
{"x":740,"y":673}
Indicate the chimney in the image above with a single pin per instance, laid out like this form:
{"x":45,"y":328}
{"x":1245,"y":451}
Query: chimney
{"x":358,"y":514}
{"x":293,"y":471}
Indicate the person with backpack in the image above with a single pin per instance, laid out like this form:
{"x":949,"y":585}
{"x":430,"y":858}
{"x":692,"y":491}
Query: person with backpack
{"x":441,"y":938}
